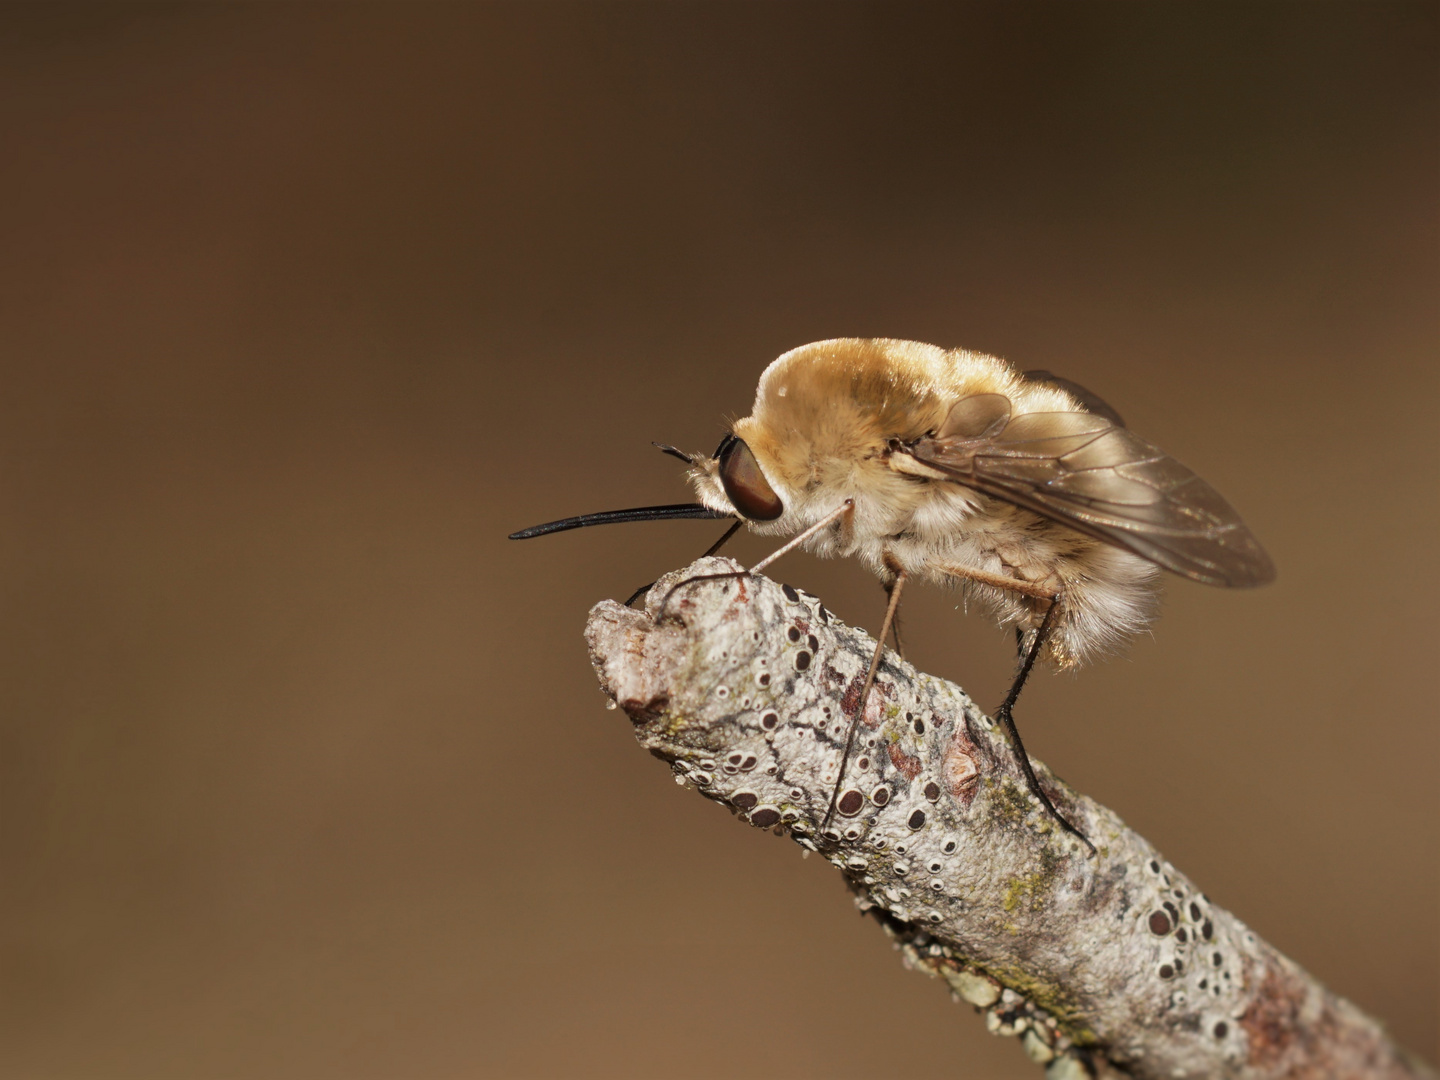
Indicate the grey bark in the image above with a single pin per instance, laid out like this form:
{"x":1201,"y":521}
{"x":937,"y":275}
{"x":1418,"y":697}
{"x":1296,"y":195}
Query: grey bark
{"x":1117,"y":961}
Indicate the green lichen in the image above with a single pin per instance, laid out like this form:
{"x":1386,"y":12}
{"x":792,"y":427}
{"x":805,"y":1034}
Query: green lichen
{"x":1036,"y":886}
{"x":1031,"y":885}
{"x":1050,"y":997}
{"x":1008,"y":801}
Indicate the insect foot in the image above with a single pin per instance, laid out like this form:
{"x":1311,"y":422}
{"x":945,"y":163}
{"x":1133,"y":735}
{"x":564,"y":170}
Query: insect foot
{"x":1115,"y":960}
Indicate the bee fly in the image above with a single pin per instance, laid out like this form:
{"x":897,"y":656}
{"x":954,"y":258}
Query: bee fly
{"x":1024,"y":489}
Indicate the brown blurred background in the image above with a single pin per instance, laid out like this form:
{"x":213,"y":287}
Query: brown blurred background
{"x":302,"y":309}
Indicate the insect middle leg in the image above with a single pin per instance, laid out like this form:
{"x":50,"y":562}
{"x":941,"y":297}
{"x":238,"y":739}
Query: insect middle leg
{"x":890,"y":583}
{"x":1005,"y":713}
{"x":893,"y":587}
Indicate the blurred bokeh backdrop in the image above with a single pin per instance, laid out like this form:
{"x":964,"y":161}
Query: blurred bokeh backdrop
{"x":304,"y":772}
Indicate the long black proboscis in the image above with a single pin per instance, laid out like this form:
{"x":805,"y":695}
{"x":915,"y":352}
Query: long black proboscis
{"x":615,"y":517}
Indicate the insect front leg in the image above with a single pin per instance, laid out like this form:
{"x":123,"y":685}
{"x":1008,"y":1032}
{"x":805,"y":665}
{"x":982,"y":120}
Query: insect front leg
{"x":731,"y":531}
{"x":842,"y":513}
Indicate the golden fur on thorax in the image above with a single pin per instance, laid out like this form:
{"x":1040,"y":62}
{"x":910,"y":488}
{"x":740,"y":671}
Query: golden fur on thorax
{"x":824,"y":419}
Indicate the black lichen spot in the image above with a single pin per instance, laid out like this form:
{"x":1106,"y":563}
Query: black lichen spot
{"x":1159,"y":923}
{"x":1204,"y":983}
{"x":769,"y":721}
{"x":813,"y":642}
{"x":1174,"y":914}
{"x":917,"y":819}
{"x":764,"y":679}
{"x":949,"y":847}
{"x":765,"y":817}
{"x":1217,"y":959}
{"x":863,"y":763}
{"x":744,"y":799}
{"x":793,"y":633}
{"x":919,"y":727}
{"x":1180,"y":935}
{"x":880,"y":796}
{"x":932,"y":791}
{"x":802,"y":660}
{"x":1166,"y":971}
{"x":850,"y":803}
{"x":1222,"y":1029}
{"x":1208,"y":930}
{"x":1194,"y":911}
{"x":1154,"y":867}
{"x":936,"y":867}
{"x":824,"y":615}
{"x":790,"y":594}
{"x":1179,"y":964}
{"x":735,"y":758}
{"x":934,"y":916}
{"x":749,"y":763}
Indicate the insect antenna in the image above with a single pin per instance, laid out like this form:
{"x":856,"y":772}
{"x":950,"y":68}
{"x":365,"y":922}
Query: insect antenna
{"x":666,"y":448}
{"x":1004,"y":715}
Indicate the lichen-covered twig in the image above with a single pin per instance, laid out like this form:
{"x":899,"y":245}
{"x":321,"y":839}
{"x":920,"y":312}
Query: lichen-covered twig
{"x":1115,"y":961}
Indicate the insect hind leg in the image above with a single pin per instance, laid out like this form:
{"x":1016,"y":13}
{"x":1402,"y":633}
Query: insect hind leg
{"x":1005,"y":714}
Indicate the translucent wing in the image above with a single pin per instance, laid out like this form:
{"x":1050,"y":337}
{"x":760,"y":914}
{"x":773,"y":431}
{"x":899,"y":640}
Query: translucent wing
{"x":1086,"y":471}
{"x":1092,"y":401}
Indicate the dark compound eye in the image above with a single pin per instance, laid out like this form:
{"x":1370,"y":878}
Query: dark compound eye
{"x":745,"y":484}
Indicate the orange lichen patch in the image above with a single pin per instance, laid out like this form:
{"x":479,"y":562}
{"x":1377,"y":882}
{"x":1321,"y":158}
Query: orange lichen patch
{"x":960,"y":770}
{"x":1299,"y":1030}
{"x":909,"y":766}
{"x":1272,"y":1021}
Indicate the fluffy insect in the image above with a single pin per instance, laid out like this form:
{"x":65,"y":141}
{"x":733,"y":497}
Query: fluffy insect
{"x":1024,"y":489}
